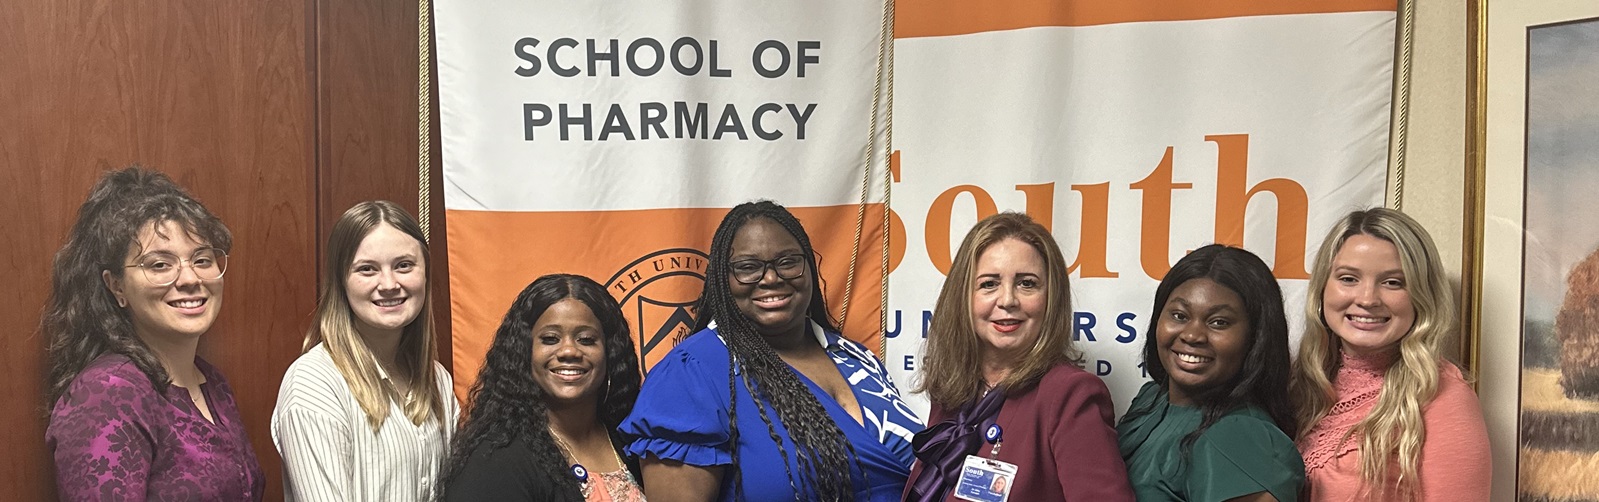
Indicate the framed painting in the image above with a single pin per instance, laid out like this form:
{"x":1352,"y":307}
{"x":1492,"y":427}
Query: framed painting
{"x":1537,"y":109}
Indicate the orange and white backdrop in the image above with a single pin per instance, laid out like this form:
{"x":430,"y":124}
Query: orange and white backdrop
{"x":1136,"y":131}
{"x":608,"y":139}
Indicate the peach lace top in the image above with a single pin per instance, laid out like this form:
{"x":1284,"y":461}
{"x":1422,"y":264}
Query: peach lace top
{"x":616,"y":486}
{"x":1454,"y":464}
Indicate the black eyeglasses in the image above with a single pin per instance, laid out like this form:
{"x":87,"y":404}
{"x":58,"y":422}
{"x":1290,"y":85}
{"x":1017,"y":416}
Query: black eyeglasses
{"x":751,"y":271}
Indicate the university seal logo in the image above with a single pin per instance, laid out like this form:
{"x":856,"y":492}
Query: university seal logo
{"x":657,"y":294}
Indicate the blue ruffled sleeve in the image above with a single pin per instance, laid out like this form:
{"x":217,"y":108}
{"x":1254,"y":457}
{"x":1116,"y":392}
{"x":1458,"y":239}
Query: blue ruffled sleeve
{"x":681,"y":413}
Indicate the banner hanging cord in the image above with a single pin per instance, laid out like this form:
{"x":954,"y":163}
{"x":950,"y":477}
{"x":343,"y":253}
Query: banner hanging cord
{"x":888,"y":175}
{"x":424,"y":122}
{"x":1401,"y":106}
{"x":884,"y":50}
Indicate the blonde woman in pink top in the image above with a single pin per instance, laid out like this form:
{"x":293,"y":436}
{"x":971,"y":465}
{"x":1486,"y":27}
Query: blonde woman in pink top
{"x":1388,"y":418}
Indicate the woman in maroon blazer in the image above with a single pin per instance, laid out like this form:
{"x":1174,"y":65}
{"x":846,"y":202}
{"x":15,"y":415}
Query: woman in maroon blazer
{"x":1007,"y":400}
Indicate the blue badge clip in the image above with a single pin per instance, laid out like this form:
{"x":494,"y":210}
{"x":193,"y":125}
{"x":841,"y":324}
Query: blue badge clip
{"x":993,"y":434}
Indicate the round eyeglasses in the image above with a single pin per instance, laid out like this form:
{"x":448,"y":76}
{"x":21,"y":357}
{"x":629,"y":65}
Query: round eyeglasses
{"x":751,"y":271}
{"x":163,"y":269}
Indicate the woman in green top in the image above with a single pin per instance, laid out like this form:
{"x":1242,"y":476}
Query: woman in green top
{"x":1215,"y":424}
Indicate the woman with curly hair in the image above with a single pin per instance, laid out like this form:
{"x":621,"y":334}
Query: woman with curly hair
{"x":1387,"y":416}
{"x":1215,"y":424}
{"x":366,"y":412}
{"x":138,"y":414}
{"x":772,"y":403}
{"x":559,"y":377}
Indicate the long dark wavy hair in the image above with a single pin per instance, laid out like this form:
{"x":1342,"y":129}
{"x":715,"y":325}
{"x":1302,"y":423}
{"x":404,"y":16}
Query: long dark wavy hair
{"x":507,"y":405}
{"x":824,"y":456}
{"x":1262,"y":381}
{"x":81,"y":319}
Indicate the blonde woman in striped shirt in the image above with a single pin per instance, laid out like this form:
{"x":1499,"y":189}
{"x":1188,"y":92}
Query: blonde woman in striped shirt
{"x":366,"y":413}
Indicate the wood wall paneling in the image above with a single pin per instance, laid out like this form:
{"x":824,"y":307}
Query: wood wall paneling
{"x":213,"y":93}
{"x":277,"y":114}
{"x":367,"y":78}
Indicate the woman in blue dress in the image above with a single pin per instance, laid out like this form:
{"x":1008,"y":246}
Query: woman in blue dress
{"x":772,"y":403}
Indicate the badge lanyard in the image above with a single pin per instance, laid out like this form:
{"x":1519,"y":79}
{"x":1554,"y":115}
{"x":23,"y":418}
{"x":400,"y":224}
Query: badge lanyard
{"x":986,"y":479}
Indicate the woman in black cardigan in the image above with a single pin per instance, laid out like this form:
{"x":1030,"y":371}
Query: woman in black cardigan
{"x":544,"y":427}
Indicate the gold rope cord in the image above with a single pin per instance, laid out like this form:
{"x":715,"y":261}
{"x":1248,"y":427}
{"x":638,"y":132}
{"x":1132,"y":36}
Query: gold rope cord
{"x":884,"y":54}
{"x":424,"y":122}
{"x":1401,"y":106}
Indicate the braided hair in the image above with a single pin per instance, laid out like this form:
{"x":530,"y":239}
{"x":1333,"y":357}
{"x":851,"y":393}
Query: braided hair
{"x":507,"y":405}
{"x":824,"y":457}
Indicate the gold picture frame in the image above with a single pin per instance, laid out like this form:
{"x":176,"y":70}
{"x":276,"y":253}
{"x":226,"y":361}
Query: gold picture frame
{"x":1503,"y":306}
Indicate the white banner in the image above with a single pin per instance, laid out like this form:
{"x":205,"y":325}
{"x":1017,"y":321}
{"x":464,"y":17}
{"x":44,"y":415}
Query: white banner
{"x":608,"y":139}
{"x":1139,"y":140}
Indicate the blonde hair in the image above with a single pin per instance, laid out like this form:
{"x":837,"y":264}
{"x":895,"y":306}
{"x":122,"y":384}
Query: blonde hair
{"x":1391,"y":435}
{"x":950,"y":370}
{"x":334,"y":325}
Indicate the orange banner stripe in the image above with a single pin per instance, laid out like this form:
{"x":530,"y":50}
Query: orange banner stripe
{"x":493,"y":255}
{"x":934,"y":18}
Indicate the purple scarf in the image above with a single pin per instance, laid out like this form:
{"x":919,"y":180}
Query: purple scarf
{"x":942,"y":448}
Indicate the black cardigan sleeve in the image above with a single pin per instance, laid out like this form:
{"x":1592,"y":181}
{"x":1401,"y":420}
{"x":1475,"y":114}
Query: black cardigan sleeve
{"x":500,"y":474}
{"x":509,"y":474}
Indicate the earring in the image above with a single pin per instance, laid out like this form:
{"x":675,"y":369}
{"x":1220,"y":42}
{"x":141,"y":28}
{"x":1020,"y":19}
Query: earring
{"x":122,"y":302}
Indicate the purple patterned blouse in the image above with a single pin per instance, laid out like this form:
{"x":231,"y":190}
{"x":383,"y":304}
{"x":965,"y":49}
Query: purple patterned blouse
{"x":115,"y":437}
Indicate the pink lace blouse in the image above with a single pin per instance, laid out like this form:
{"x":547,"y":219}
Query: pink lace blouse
{"x":1454,"y":462}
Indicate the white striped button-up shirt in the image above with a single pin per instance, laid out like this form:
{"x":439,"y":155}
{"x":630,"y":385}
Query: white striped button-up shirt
{"x":331,"y":453}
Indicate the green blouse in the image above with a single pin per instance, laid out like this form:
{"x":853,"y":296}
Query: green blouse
{"x":1240,"y":454}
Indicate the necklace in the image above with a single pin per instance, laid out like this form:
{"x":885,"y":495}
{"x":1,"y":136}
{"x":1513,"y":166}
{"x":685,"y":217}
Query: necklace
{"x":580,"y":472}
{"x":397,"y":381}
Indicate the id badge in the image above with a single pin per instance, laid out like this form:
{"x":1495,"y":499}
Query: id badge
{"x":985,"y":480}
